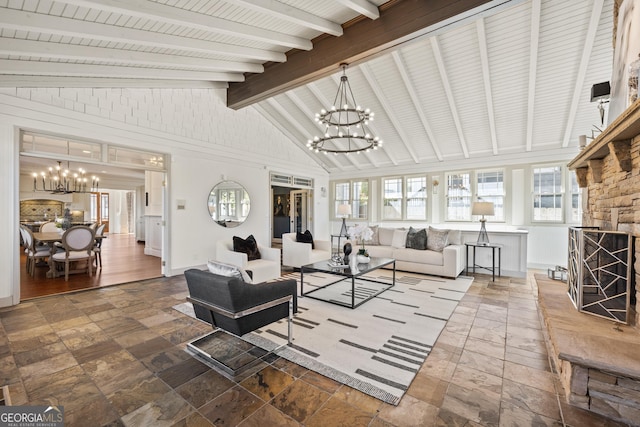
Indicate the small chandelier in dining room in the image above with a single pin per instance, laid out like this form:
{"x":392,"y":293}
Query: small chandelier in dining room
{"x":345,"y":124}
{"x":60,"y":180}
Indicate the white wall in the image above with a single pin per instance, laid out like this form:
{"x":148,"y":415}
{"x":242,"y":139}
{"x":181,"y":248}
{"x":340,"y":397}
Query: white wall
{"x":204,"y":139}
{"x":9,"y":218}
{"x":548,"y":246}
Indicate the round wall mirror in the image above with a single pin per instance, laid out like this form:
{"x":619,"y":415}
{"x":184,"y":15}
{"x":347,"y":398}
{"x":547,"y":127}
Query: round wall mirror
{"x":229,"y":204}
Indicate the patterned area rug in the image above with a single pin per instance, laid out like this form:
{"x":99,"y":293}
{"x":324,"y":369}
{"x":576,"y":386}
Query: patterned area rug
{"x":376,"y":348}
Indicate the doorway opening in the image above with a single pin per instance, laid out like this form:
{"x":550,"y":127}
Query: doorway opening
{"x":99,"y":209}
{"x":292,"y":206}
{"x":116,"y":204}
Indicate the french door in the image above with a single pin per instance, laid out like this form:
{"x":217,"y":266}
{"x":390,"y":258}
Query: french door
{"x":99,"y":209}
{"x":299,"y":211}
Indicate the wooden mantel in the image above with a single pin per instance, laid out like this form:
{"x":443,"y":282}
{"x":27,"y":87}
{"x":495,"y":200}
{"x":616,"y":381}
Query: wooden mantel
{"x":612,"y":139}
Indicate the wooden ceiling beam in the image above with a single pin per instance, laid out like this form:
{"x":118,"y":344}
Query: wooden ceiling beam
{"x":399,"y":22}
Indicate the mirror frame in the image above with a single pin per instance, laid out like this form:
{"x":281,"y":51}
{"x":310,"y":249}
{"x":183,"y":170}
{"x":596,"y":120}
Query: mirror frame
{"x":240,"y":203}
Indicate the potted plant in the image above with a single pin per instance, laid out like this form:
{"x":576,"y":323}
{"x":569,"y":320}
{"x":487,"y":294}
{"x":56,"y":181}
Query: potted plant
{"x":361,"y":234}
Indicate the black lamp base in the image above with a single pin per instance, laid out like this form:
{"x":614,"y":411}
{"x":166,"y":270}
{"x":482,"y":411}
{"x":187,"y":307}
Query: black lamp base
{"x":343,"y":230}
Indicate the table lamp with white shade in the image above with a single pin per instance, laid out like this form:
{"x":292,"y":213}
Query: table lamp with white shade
{"x":344,"y":211}
{"x":482,"y":208}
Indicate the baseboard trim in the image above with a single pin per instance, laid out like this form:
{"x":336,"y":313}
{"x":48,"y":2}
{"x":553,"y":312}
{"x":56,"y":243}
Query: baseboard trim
{"x":6,"y":301}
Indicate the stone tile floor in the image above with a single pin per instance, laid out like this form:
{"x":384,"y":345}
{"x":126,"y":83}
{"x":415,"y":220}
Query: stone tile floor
{"x":115,"y":356}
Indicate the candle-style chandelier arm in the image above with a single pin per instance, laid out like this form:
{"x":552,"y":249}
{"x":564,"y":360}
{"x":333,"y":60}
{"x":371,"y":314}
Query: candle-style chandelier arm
{"x":59,"y":180}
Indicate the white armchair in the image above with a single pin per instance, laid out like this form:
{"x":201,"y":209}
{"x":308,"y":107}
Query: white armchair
{"x":296,"y":254}
{"x":262,"y":270}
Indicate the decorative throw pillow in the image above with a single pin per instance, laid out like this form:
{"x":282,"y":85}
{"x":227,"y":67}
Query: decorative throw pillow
{"x":385,"y":235}
{"x":417,"y":239}
{"x":248,"y":246}
{"x":305,"y":237}
{"x":399,"y":238}
{"x":375,"y":239}
{"x":228,"y":270}
{"x":437,"y":239}
{"x":454,"y":237}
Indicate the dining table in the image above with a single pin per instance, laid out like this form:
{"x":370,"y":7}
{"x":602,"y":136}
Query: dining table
{"x":50,"y":238}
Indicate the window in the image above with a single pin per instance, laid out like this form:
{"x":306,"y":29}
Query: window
{"x":416,"y":196}
{"x":354,"y":193}
{"x":490,"y":188}
{"x":227,"y":204}
{"x":392,"y":198}
{"x":342,"y":196}
{"x":576,"y":200}
{"x":360,"y":202}
{"x":458,"y":197}
{"x":104,"y":207}
{"x":93,"y":207}
{"x":547,"y":193}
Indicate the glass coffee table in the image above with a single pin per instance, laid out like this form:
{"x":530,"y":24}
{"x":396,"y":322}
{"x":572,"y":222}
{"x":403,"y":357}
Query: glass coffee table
{"x":343,"y":291}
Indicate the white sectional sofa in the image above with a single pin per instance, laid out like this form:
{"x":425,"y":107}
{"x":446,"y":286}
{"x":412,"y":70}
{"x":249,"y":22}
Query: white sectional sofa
{"x":390,"y":243}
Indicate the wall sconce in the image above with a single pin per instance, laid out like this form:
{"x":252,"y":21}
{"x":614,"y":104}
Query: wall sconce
{"x":435,"y":184}
{"x":323,"y":191}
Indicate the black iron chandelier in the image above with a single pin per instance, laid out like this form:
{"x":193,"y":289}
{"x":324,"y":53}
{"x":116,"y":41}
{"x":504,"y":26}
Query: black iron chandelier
{"x":345,"y":124}
{"x":59,"y":180}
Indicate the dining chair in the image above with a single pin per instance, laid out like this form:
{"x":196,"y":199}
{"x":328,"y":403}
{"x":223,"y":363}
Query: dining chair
{"x":78,"y":243}
{"x":34,"y":252}
{"x":97,"y":249}
{"x":51,"y":227}
{"x":24,"y":244}
{"x":48,"y":227}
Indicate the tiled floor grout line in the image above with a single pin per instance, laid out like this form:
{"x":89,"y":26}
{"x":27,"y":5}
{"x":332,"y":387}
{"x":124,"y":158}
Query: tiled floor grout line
{"x":474,"y":333}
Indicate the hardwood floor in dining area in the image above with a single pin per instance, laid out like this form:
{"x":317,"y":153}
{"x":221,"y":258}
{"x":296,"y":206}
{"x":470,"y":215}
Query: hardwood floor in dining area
{"x":123,"y":260}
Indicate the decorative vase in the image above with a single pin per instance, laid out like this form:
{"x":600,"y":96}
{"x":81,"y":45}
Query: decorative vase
{"x":362,"y":259}
{"x":347,"y":251}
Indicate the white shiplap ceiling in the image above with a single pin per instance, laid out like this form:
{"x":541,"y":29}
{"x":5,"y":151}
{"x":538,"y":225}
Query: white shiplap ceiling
{"x":508,"y":82}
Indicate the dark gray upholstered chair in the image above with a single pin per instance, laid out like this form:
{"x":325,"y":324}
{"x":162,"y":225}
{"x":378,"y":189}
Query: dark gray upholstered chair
{"x":238,"y":307}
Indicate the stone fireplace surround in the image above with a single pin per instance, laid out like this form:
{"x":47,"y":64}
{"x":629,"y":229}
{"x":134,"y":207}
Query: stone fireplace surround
{"x":596,"y":358}
{"x":609,"y":171}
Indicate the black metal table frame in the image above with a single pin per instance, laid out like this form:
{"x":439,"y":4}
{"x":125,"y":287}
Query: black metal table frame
{"x":345,"y":276}
{"x":493,"y":248}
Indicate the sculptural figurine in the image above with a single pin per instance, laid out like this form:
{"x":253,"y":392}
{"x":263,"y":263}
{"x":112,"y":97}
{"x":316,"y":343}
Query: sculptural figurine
{"x":347,"y":251}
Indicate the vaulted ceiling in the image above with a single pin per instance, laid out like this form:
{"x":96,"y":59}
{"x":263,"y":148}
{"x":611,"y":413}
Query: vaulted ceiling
{"x":452,"y":83}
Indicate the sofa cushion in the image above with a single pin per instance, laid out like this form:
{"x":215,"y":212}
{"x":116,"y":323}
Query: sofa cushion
{"x":437,"y":239}
{"x":385,"y":236}
{"x":399,"y":238}
{"x":380,"y":251}
{"x":228,"y":270}
{"x":305,"y":237}
{"x":419,"y":257}
{"x":248,"y":246}
{"x":262,"y":268}
{"x":416,"y":239}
